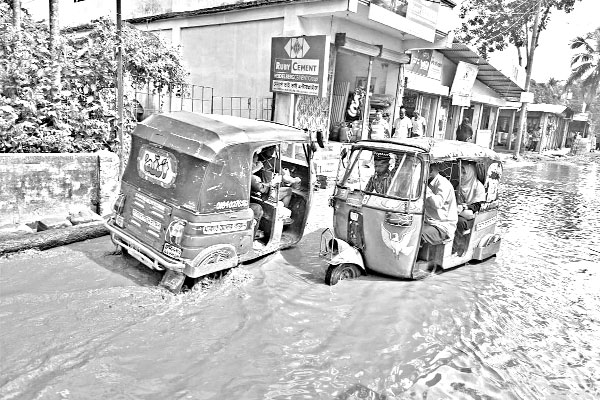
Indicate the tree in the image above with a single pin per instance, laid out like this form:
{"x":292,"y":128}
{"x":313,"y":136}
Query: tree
{"x":551,"y":92}
{"x":81,"y":117}
{"x":585,"y":65}
{"x":53,"y":43}
{"x":493,"y":25}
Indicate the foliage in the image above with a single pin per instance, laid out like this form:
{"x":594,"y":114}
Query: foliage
{"x":585,"y":65}
{"x":552,"y":92}
{"x":81,"y":117}
{"x":494,"y":25}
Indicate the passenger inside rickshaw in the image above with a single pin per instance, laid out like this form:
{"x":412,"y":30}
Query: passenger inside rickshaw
{"x":440,"y":208}
{"x":470,"y":196}
{"x":278,"y":192}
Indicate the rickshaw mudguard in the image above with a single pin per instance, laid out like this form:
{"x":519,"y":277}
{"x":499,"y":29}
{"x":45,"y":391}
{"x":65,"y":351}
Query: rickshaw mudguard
{"x":346,"y":254}
{"x":214,"y":258}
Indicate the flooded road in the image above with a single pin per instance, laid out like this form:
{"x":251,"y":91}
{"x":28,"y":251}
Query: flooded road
{"x":77,"y":322}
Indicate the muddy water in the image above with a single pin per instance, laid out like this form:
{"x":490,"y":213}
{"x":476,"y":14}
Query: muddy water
{"x":79,"y":323}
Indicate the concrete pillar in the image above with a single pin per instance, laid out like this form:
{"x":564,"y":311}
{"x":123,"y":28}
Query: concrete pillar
{"x":510,"y":130}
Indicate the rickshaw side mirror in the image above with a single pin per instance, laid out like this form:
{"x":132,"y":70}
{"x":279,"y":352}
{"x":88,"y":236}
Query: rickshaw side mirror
{"x":320,"y":139}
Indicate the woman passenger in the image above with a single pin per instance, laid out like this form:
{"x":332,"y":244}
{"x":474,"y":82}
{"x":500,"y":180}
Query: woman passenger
{"x":471,"y":194}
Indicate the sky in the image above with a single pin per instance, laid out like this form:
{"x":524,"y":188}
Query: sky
{"x":553,"y":55}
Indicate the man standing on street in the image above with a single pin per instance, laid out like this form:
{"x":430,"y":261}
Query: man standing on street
{"x":464,"y":132}
{"x":419,"y":124}
{"x":402,"y":125}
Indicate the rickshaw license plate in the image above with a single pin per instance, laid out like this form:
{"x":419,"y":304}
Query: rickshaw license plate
{"x":171,"y":251}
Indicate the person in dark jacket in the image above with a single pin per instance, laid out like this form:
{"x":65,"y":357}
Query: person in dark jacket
{"x":464,"y":132}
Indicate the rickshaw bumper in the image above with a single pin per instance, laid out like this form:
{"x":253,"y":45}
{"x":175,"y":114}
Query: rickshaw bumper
{"x":149,"y":257}
{"x":488,"y":246}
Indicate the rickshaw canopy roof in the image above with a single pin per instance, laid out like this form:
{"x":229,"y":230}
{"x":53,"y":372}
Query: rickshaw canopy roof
{"x":205,"y":135}
{"x":439,"y":149}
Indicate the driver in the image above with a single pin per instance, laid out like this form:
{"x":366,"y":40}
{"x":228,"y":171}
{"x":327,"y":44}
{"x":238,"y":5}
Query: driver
{"x":381,"y":179}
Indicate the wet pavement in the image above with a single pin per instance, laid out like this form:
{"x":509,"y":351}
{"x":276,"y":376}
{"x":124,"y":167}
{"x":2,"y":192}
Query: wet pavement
{"x":78,"y":322}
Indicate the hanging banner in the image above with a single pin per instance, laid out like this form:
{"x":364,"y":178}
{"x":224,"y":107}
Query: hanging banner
{"x":298,"y":65}
{"x":464,"y":79}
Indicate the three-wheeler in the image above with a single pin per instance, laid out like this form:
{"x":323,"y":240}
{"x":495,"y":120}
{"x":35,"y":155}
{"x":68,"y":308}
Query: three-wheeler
{"x":380,"y":230}
{"x":186,"y":206}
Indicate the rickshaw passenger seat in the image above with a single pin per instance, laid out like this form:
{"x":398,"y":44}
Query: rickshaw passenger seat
{"x":429,"y":252}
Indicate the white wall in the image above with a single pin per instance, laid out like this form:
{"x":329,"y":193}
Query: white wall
{"x":234,"y":59}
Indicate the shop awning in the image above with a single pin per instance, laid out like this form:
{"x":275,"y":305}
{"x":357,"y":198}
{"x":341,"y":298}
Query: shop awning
{"x":550,"y":108}
{"x":488,"y":74}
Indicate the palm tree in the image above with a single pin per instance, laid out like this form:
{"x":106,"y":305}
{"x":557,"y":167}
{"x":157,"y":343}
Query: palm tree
{"x":585,"y":65}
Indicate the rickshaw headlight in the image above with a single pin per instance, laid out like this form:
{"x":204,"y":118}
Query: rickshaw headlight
{"x":175,"y":231}
{"x":119,"y":204}
{"x":398,"y":219}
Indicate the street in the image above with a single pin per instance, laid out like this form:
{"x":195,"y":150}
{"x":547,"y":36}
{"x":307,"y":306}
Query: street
{"x":80,"y":322}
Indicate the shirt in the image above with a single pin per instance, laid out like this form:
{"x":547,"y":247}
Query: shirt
{"x":418,"y":125}
{"x":380,"y":129}
{"x":402,"y":127}
{"x":379,"y":183}
{"x":440,"y":205}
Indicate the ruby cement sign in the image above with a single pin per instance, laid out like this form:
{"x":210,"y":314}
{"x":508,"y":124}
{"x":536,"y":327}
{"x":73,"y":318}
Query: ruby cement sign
{"x":298,"y":65}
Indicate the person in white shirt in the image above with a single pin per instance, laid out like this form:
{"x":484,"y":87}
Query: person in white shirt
{"x":441,"y":212}
{"x":402,"y":125}
{"x":419,"y":124}
{"x":380,"y":129}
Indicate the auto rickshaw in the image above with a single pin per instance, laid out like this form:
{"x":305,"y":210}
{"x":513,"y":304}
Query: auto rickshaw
{"x":381,"y":232}
{"x":186,"y":205}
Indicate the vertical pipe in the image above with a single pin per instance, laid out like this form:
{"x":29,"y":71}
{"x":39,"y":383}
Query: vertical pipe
{"x":120,"y":87}
{"x":365,"y":122}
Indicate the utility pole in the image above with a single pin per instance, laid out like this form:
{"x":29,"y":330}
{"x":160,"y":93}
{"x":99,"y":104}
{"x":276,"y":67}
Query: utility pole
{"x":16,"y":5}
{"x":120,"y":88}
{"x":534,"y":41}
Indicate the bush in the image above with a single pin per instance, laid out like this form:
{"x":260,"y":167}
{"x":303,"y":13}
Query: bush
{"x":80,"y":115}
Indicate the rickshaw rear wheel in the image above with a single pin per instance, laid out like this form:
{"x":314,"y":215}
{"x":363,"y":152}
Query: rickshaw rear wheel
{"x":340,"y":272}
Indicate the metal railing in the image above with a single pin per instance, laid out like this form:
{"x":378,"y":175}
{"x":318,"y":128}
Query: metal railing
{"x":199,"y":98}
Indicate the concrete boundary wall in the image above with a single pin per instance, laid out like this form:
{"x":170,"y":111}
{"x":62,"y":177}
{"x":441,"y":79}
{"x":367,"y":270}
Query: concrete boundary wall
{"x":36,"y":185}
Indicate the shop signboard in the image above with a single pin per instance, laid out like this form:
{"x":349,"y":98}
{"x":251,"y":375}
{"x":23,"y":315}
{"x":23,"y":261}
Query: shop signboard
{"x":464,"y":79}
{"x":424,"y":12}
{"x":426,"y":63}
{"x":298,"y":65}
{"x":526,"y":97}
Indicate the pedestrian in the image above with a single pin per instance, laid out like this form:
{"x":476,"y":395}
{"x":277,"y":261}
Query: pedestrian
{"x":419,"y":124}
{"x":402,"y":125}
{"x":464,"y":132}
{"x":380,"y":129}
{"x":535,"y":139}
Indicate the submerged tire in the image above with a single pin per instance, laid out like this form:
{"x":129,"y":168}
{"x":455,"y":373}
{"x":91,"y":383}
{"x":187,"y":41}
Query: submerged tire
{"x":340,"y":272}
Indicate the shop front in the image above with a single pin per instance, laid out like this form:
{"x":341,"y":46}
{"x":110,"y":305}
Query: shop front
{"x":547,"y":127}
{"x":478,"y":91}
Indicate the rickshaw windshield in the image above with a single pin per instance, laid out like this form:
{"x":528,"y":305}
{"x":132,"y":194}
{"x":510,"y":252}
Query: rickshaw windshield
{"x":392,"y":174}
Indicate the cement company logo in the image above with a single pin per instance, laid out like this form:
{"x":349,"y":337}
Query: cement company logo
{"x":296,"y":47}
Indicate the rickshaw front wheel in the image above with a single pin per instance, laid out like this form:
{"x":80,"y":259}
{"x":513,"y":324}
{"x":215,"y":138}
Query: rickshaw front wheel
{"x":339,"y":272}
